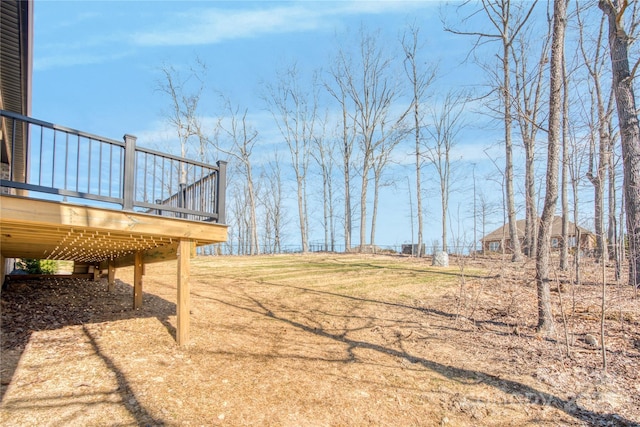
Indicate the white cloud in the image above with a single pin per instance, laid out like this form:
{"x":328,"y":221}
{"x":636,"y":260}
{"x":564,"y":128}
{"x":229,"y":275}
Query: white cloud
{"x":70,"y":59}
{"x":200,"y":25}
{"x":214,"y":25}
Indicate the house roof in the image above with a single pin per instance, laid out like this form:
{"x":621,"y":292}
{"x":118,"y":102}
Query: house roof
{"x":556,"y":230}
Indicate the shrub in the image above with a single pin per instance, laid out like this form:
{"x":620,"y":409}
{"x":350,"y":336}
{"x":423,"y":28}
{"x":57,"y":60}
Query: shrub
{"x":38,"y":266}
{"x":48,"y":266}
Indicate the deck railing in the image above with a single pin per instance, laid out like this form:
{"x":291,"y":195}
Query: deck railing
{"x":50,"y":159}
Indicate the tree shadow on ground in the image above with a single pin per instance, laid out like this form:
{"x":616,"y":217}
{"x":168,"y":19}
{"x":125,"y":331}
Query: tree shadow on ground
{"x":519,"y":391}
{"x":427,"y":310}
{"x":54,"y":303}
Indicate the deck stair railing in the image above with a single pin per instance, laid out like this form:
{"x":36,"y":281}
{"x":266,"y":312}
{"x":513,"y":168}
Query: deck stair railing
{"x":68,"y":164}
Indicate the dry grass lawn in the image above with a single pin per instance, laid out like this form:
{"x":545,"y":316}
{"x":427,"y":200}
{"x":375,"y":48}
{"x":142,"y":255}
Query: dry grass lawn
{"x":318,"y":340}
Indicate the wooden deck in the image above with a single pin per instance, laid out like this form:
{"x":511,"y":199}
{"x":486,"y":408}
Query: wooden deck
{"x":166,"y":205}
{"x":107,"y":239}
{"x":41,"y":229}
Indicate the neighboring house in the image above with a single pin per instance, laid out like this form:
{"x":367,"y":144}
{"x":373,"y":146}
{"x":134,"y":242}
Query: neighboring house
{"x":71,"y":195}
{"x":499,"y":239}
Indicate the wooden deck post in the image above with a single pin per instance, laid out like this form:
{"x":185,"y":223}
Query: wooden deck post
{"x":129,"y":172}
{"x":111,"y":276}
{"x":184,"y":256}
{"x":138,"y":271}
{"x":2,"y":272}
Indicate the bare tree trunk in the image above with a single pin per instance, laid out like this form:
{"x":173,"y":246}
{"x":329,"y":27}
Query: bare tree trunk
{"x":239,"y":214}
{"x":612,"y":226}
{"x":278,"y":214}
{"x":447,"y":122}
{"x":575,"y":172}
{"x":273,"y":207}
{"x":364,"y":184}
{"x":347,"y":207}
{"x":545,"y":315}
{"x":444,"y":201}
{"x":603,"y":311}
{"x":508,"y":146}
{"x":629,"y":129}
{"x":564,"y":249}
{"x":418,"y":185}
{"x":598,"y":179}
{"x":531,"y":214}
{"x":389,"y":140}
{"x":332,"y":229}
{"x":374,"y":212}
{"x":325,"y":207}
{"x":255,"y":248}
{"x":419,"y":84}
{"x":621,"y":245}
{"x":475,"y":214}
{"x":346,"y":158}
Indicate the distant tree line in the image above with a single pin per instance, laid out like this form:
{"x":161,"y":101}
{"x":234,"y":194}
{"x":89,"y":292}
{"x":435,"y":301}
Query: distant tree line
{"x":560,"y":80}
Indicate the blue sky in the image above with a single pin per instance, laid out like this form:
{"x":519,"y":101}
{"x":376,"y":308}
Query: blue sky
{"x":103,"y":54}
{"x":96,"y":69}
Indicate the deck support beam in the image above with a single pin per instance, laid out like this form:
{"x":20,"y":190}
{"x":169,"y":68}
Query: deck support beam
{"x":111,"y":276}
{"x":138,"y":271}
{"x":183,"y":306}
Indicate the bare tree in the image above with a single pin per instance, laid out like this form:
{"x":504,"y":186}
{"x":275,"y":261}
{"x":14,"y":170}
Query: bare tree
{"x":267,"y":238}
{"x":323,"y":151}
{"x":184,"y":93}
{"x":235,"y":137}
{"x":273,"y":202}
{"x":239,"y":218}
{"x":367,"y":93}
{"x":339,"y":74}
{"x":577,"y":154}
{"x":600,"y":125}
{"x":564,"y":249}
{"x":623,"y":74}
{"x":545,"y":316}
{"x":530,"y":86}
{"x":507,"y":24}
{"x":612,"y":225}
{"x":447,"y":120}
{"x":486,"y":209}
{"x":419,"y":80}
{"x":389,"y":139}
{"x":295,"y":114}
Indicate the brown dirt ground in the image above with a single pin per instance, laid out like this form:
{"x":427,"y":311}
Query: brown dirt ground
{"x":319,"y":340}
